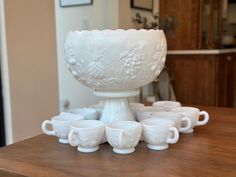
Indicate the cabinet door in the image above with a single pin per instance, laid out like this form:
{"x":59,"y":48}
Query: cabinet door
{"x":227,"y":80}
{"x":194,"y":78}
{"x":234,"y":80}
{"x":187,"y":17}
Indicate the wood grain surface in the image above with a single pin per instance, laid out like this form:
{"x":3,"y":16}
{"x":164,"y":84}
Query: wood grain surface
{"x":195,"y":78}
{"x":209,"y":151}
{"x":208,"y":80}
{"x":187,"y":33}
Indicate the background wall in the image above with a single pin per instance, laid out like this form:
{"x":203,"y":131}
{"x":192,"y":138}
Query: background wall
{"x":30,"y":66}
{"x":126,"y":13}
{"x":101,"y":15}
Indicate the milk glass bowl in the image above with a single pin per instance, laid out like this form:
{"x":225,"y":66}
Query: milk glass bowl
{"x":115,"y":63}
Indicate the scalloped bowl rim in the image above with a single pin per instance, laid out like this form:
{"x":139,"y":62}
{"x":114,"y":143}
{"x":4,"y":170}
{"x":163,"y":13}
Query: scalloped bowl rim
{"x":116,"y":30}
{"x":139,"y":33}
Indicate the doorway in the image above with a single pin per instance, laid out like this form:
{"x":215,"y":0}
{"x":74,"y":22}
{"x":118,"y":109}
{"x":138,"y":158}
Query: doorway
{"x":2,"y":127}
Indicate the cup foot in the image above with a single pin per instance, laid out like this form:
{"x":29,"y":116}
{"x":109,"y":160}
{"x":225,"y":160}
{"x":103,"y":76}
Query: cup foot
{"x":188,"y":131}
{"x":123,"y":151}
{"x":87,"y":149}
{"x":158,"y":147}
{"x":64,"y":141}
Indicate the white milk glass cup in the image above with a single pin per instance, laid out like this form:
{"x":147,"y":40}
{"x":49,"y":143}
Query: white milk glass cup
{"x":123,"y":136}
{"x":159,"y":133}
{"x":134,"y":107}
{"x":182,"y":123}
{"x":99,"y":108}
{"x":146,"y":112}
{"x":194,"y":115}
{"x":166,"y":105}
{"x":60,"y":126}
{"x":87,"y":135}
{"x":87,"y":113}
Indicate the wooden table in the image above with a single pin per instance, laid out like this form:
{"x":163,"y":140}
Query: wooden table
{"x":209,"y":151}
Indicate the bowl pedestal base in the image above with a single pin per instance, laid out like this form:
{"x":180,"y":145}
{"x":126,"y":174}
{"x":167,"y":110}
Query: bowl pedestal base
{"x":116,"y":106}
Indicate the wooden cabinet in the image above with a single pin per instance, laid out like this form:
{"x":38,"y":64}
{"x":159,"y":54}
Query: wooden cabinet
{"x":204,"y":79}
{"x":197,"y":23}
{"x":227,"y":80}
{"x":186,"y":15}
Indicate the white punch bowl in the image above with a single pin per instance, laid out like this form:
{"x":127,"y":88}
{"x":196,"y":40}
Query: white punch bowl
{"x":115,"y":63}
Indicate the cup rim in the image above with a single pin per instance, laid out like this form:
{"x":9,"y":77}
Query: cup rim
{"x":137,"y":125}
{"x":164,"y":114}
{"x":159,"y":120}
{"x":83,"y":111}
{"x":168,"y":103}
{"x":136,"y":104}
{"x":185,"y":109}
{"x":78,"y":125}
{"x":73,"y":117}
{"x":148,"y":109}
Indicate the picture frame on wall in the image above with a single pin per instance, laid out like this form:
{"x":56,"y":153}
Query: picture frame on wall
{"x":142,"y":4}
{"x":69,"y":3}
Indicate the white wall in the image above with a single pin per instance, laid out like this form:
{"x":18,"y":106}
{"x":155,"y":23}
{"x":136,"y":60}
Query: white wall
{"x":111,"y":14}
{"x":28,"y":65}
{"x":102,"y":14}
{"x":126,"y":13}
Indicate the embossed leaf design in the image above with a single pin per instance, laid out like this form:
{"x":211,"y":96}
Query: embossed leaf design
{"x":130,"y":139}
{"x":95,"y":46}
{"x":95,"y":50}
{"x":96,"y":70}
{"x":151,"y":135}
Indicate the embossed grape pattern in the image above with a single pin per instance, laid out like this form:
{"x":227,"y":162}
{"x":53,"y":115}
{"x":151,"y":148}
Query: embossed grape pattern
{"x":74,"y":66}
{"x":115,"y":59}
{"x":133,"y":57}
{"x":158,"y":59}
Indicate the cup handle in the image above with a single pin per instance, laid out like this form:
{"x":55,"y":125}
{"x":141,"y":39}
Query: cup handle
{"x":205,"y":120}
{"x":120,"y":139}
{"x":73,"y":138}
{"x":188,"y":125}
{"x":176,"y":136}
{"x":45,"y":128}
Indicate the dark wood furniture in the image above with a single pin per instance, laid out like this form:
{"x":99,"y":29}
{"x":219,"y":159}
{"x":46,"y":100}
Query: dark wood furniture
{"x":199,"y":79}
{"x":209,"y":151}
{"x":186,"y":15}
{"x":204,"y":79}
{"x":198,"y":23}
